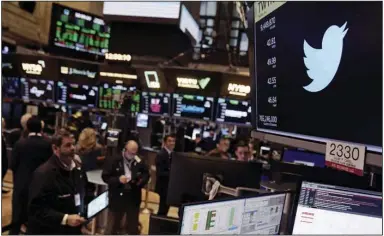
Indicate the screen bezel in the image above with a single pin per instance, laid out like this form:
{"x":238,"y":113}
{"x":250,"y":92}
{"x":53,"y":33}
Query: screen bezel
{"x":292,"y":218}
{"x":231,"y":198}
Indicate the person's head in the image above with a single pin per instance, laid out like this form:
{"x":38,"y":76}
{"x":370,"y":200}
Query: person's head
{"x":34,"y":125}
{"x":169,"y":141}
{"x":130,"y":150}
{"x":242,"y":151}
{"x":85,"y":115}
{"x":223,"y":144}
{"x":87,"y":140}
{"x":63,"y":145}
{"x":24,"y":119}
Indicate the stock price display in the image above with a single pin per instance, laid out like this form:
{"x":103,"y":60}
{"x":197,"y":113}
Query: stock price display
{"x":37,"y":89}
{"x":193,"y":106}
{"x":79,"y":31}
{"x":155,"y":103}
{"x":11,"y":87}
{"x":233,"y":111}
{"x":111,"y":96}
{"x":75,"y":94}
{"x":310,"y":71}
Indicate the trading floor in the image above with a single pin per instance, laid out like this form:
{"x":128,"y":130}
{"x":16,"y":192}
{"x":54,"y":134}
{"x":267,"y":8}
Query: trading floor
{"x":6,"y":211}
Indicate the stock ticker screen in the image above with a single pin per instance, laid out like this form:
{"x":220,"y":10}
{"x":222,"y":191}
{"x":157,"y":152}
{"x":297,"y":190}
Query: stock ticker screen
{"x":233,"y":111}
{"x":76,"y":94}
{"x":78,"y":31}
{"x":37,"y":89}
{"x":193,"y":106}
{"x":110,"y":97}
{"x":11,"y":87}
{"x":155,"y":103}
{"x":319,"y":70}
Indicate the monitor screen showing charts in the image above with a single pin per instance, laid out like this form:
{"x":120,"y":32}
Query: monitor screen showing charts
{"x":255,"y":215}
{"x":233,"y":111}
{"x":155,"y":103}
{"x":37,"y":89}
{"x":312,"y":78}
{"x":327,"y":209}
{"x":193,"y":106}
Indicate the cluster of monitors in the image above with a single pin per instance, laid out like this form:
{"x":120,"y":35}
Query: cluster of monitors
{"x":105,"y":96}
{"x":196,"y":107}
{"x":318,"y":209}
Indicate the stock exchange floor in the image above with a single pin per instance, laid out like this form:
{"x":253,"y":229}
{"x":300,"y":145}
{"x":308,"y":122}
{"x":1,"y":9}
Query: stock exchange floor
{"x":6,"y":207}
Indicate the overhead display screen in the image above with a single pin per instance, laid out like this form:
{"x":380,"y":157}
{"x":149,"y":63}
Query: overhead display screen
{"x":233,"y":111}
{"x":319,"y":71}
{"x":11,"y":87}
{"x":76,"y":94}
{"x":155,"y":103}
{"x":111,"y":96}
{"x":37,"y":89}
{"x":193,"y":106}
{"x":79,"y":31}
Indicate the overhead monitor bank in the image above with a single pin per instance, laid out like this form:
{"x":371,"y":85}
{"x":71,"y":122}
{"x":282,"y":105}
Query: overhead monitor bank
{"x":312,"y":71}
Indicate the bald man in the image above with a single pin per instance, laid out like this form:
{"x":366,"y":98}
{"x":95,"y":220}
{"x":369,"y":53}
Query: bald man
{"x":125,"y":175}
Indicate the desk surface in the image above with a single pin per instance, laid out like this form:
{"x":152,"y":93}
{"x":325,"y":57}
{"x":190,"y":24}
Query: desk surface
{"x":94,"y":176}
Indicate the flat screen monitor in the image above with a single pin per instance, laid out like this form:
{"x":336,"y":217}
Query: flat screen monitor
{"x":155,"y":103}
{"x":304,"y":158}
{"x":11,"y":87}
{"x":329,"y":209}
{"x":161,"y":225}
{"x":37,"y":89}
{"x":310,"y":70}
{"x":78,"y":31}
{"x":186,"y":186}
{"x":193,"y":106}
{"x":253,"y":215}
{"x":77,"y":94}
{"x":142,"y":120}
{"x":110,"y":96}
{"x":233,"y":111}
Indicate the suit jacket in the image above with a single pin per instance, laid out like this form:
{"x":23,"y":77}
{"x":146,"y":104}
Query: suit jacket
{"x":121,"y":196}
{"x":4,"y":157}
{"x":27,"y":155}
{"x":163,"y":168}
{"x":52,"y":195}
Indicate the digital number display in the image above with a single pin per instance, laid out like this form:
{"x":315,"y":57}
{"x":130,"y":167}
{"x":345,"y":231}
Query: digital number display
{"x":79,"y":31}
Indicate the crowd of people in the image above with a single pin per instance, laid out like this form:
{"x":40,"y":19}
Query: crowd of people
{"x":51,"y":186}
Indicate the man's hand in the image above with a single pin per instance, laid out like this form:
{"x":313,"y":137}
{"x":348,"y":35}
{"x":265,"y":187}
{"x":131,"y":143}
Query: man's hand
{"x":123,"y":179}
{"x":75,"y":220}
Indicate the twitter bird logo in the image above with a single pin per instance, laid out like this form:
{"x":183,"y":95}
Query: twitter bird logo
{"x":322,"y":64}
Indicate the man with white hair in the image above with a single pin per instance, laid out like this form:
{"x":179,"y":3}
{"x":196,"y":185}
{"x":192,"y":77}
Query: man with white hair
{"x":126,"y":175}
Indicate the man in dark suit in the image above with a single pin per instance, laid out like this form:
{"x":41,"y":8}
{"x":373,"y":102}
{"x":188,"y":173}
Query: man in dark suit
{"x":163,"y":167}
{"x":57,"y":192}
{"x":27,"y":155}
{"x":4,"y":156}
{"x":126,"y":175}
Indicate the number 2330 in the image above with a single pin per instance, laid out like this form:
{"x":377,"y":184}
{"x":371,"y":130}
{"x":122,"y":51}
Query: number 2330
{"x":344,"y":151}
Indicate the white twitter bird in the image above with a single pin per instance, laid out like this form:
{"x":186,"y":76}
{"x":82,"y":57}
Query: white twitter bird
{"x":322,"y":64}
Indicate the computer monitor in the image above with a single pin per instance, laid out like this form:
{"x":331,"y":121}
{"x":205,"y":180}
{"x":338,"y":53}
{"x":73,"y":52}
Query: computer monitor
{"x":304,"y":158}
{"x":329,"y":209}
{"x":289,"y":172}
{"x":252,"y":215}
{"x":188,"y":170}
{"x":142,"y":120}
{"x":162,"y":225}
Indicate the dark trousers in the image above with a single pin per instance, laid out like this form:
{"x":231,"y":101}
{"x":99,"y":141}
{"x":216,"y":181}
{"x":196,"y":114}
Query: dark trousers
{"x":163,"y":207}
{"x":19,"y":211}
{"x":130,"y":225}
